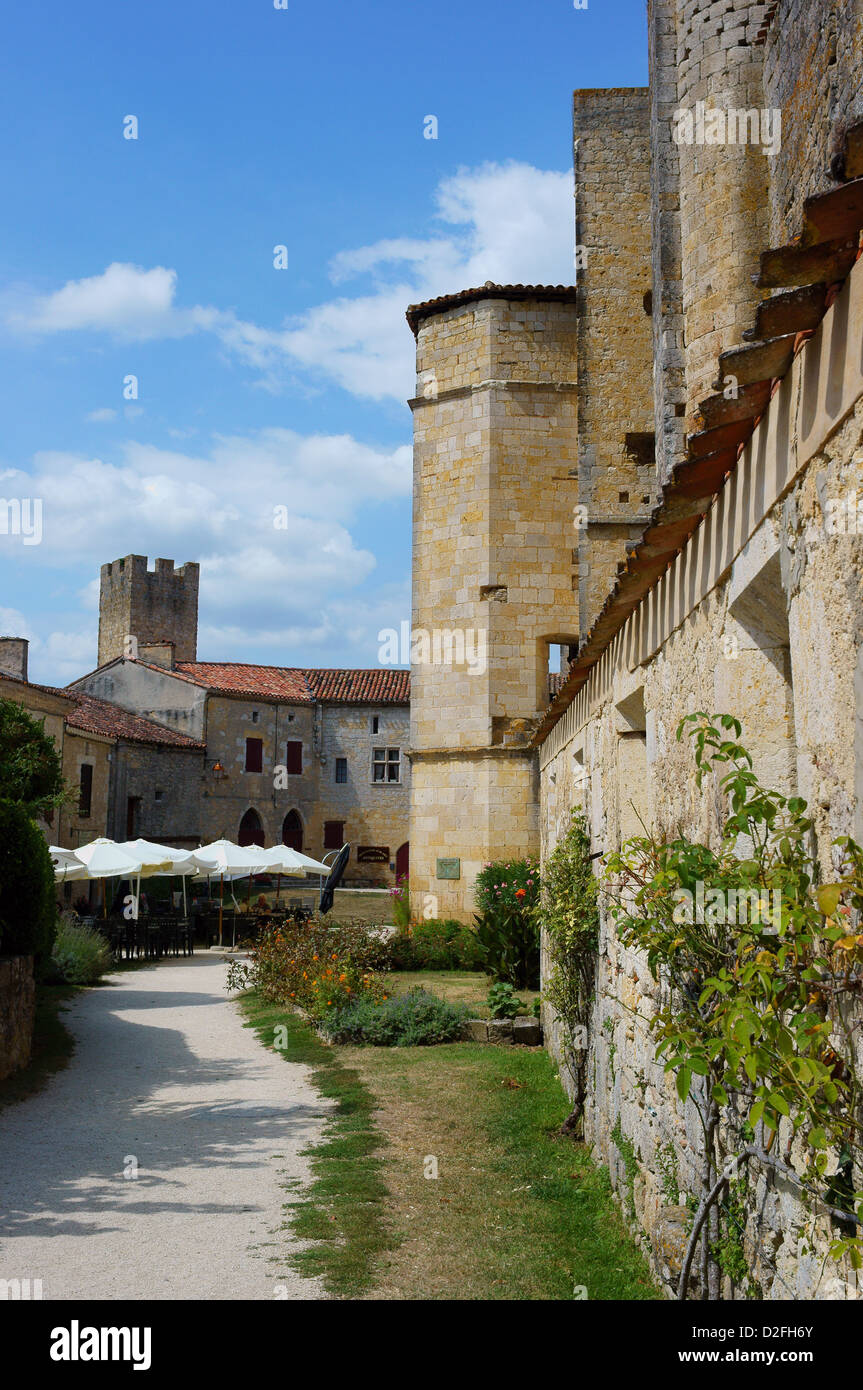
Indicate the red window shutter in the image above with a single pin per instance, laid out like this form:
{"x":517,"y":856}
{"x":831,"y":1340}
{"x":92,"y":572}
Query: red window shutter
{"x":334,"y":834}
{"x":254,"y":755}
{"x":294,"y":760}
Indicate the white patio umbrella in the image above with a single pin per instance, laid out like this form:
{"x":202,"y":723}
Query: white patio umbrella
{"x":103,"y":859}
{"x":228,"y":860}
{"x":67,"y":869}
{"x":291,"y":863}
{"x":160,"y":861}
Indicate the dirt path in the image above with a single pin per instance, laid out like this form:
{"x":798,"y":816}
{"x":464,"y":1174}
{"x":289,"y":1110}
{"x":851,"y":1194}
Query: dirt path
{"x":165,"y":1075}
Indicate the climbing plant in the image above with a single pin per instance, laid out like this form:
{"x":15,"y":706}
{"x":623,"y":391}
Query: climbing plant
{"x":569,"y":916}
{"x":761,"y":969}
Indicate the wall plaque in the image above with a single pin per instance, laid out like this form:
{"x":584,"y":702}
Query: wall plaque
{"x":449,"y":868}
{"x":373,"y":854}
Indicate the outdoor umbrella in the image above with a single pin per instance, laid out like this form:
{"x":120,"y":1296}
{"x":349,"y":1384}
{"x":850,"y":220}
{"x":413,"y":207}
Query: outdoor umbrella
{"x":334,"y":879}
{"x":160,"y":861}
{"x":103,"y":859}
{"x":66,"y":867}
{"x":228,"y":860}
{"x":291,"y":863}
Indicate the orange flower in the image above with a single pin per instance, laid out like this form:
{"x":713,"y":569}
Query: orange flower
{"x":335,"y":957}
{"x":314,"y":957}
{"x":520,"y":893}
{"x":343,"y":977}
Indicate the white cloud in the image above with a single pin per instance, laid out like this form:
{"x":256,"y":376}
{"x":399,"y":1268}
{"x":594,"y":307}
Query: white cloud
{"x":102,"y":416}
{"x":266,"y":589}
{"x":511,"y":223}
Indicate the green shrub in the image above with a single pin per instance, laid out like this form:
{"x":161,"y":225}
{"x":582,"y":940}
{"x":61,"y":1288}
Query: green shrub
{"x":415,"y":1019}
{"x":507,"y":895}
{"x":28,"y":909}
{"x":81,"y":955}
{"x":313,"y":964}
{"x":503,"y":1001}
{"x":437,"y":945}
{"x":511,"y":884}
{"x":509,"y":941}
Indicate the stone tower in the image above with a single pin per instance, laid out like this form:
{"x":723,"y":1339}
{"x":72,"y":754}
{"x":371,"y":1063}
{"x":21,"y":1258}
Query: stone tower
{"x":494,"y":572}
{"x":153,"y":606}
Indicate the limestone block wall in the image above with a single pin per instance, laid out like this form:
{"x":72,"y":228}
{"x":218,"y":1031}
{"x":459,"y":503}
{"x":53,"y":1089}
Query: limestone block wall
{"x":17,"y":1012}
{"x":667,"y":289}
{"x":375,"y":813}
{"x":73,"y":829}
{"x":723,"y":187}
{"x":813,"y":74}
{"x":494,"y":576}
{"x":615,"y":397}
{"x":474,"y":808}
{"x":159,"y":605}
{"x":226,"y":799}
{"x":167,"y":784}
{"x":777,"y":641}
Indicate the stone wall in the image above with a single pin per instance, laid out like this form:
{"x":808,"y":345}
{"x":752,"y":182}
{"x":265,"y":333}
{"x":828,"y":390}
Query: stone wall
{"x":494,"y":568}
{"x":776,"y":640}
{"x":166,"y":783}
{"x":615,"y":400}
{"x":813,"y":73}
{"x":17,"y":1012}
{"x":375,"y":814}
{"x":73,"y":828}
{"x":159,"y":605}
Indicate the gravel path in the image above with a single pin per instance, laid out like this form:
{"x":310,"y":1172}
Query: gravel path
{"x":165,"y":1073}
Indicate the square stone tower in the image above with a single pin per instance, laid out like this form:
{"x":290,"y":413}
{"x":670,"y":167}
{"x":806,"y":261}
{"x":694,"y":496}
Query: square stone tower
{"x":153,"y":606}
{"x":494,"y":572}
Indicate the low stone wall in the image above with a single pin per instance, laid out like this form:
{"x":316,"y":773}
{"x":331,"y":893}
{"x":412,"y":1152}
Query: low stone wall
{"x":17,"y":1012}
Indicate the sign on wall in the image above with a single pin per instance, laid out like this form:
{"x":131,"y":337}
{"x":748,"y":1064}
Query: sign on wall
{"x":449,"y":868}
{"x":373,"y":854}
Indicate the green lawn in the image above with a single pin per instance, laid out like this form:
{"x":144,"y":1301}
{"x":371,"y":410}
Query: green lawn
{"x":468,"y":987}
{"x":517,"y":1211}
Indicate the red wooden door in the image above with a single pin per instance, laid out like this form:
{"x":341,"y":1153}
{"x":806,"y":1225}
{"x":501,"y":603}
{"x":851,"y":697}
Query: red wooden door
{"x":403,"y":860}
{"x":292,"y":831}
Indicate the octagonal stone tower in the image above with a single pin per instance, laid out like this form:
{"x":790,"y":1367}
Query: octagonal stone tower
{"x":494,"y":572}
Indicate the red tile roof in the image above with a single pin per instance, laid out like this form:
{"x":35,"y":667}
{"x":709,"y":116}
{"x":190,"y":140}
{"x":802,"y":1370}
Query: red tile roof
{"x":357,"y":687}
{"x":298,"y":685}
{"x":238,"y":678}
{"x":417,"y":312}
{"x":94,"y":716}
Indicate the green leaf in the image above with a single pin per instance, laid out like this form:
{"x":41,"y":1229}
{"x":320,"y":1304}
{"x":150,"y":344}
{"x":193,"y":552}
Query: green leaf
{"x":684,"y":1081}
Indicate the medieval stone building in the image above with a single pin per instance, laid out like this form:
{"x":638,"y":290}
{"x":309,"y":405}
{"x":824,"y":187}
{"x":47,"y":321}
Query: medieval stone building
{"x":285,"y":755}
{"x":660,"y":469}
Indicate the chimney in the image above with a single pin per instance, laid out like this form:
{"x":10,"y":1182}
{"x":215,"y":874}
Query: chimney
{"x":13,"y":657}
{"x":157,"y":654}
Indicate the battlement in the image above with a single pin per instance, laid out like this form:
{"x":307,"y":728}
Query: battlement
{"x":154,"y":606}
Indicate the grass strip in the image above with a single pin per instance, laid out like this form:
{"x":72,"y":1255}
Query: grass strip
{"x":344,"y":1210}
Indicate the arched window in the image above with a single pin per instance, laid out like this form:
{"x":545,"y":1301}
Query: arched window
{"x":292,"y":831}
{"x":251,"y":829}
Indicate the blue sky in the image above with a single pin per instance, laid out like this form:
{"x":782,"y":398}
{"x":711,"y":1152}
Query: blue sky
{"x":258,"y":387}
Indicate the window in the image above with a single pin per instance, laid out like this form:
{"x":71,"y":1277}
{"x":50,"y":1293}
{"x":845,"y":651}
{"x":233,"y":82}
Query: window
{"x":334,"y":834}
{"x":375,"y":724}
{"x":256,"y":715}
{"x":85,"y":790}
{"x":254,"y":755}
{"x":386,"y":765}
{"x":133,"y":804}
{"x":341,"y":769}
{"x":158,"y":794}
{"x":294,"y":759}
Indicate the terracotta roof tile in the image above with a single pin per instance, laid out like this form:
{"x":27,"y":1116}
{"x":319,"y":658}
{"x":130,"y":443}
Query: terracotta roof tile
{"x":417,"y":312}
{"x":94,"y":716}
{"x":381,"y":686}
{"x":298,"y":685}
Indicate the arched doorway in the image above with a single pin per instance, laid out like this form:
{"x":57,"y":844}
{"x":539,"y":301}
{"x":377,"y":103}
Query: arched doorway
{"x":251,"y":829}
{"x":403,"y":860}
{"x":292,"y":831}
